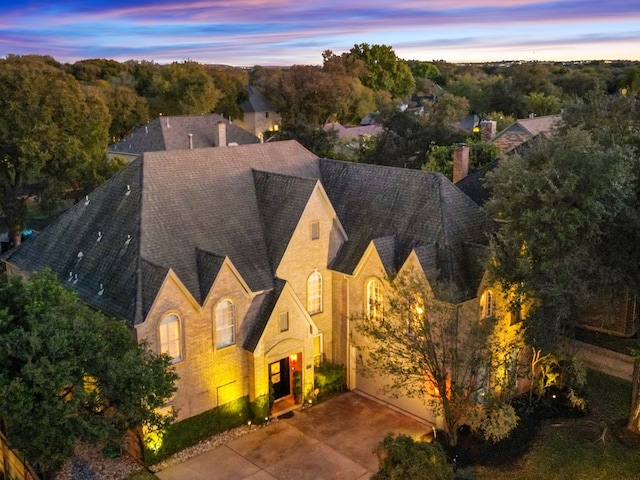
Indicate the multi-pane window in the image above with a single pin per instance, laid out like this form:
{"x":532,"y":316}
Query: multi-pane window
{"x":374,"y":298}
{"x":225,"y":324}
{"x":314,"y":293}
{"x":487,"y":305}
{"x":170,"y":337}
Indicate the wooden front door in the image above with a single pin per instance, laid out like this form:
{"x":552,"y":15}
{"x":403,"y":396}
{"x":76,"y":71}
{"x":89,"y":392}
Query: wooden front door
{"x":279,"y":378}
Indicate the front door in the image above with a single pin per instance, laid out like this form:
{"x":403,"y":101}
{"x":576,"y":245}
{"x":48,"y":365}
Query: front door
{"x":279,"y":378}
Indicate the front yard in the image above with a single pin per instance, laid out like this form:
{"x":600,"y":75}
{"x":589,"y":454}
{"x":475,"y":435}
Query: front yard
{"x":595,"y":446}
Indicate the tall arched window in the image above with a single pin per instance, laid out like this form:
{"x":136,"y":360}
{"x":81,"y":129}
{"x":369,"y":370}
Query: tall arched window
{"x":171,"y":337}
{"x":314,"y":293}
{"x":375,"y":298}
{"x":225,"y":324}
{"x":487,"y":306}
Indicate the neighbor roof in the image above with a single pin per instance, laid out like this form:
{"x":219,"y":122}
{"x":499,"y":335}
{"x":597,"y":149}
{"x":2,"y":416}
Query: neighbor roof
{"x":172,"y":133}
{"x":524,"y":130}
{"x":256,"y":102}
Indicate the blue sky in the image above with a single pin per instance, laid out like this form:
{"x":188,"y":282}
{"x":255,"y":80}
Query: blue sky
{"x":286,"y":32}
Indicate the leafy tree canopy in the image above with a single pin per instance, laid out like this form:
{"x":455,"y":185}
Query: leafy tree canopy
{"x":383,"y":69}
{"x":46,"y":141}
{"x":68,"y":374}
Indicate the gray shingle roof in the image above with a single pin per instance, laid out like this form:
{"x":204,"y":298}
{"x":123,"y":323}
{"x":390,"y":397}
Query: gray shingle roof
{"x":256,"y":102}
{"x":281,"y":200}
{"x":188,"y":210}
{"x":417,"y":208}
{"x":258,"y":315}
{"x":172,"y":133}
{"x":185,"y":210}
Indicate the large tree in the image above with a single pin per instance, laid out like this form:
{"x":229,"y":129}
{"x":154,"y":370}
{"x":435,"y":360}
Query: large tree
{"x":69,"y":374}
{"x":554,"y":205}
{"x":383,"y":69}
{"x":50,"y":133}
{"x":432,"y":348}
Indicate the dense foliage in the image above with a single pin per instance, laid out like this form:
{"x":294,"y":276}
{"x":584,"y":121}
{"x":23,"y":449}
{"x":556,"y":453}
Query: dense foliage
{"x":69,"y":374}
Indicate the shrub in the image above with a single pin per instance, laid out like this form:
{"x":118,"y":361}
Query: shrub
{"x":190,"y":431}
{"x":329,"y":380}
{"x":493,"y":423}
{"x":402,"y":457}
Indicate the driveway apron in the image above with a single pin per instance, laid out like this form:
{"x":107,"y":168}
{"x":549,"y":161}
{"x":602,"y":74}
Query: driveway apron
{"x":333,"y":440}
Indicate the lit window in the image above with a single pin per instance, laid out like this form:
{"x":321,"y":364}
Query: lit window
{"x":317,"y":349}
{"x":315,"y":230}
{"x":487,"y":304}
{"x":225,"y":324}
{"x":374,"y":299}
{"x":314,"y":293}
{"x":170,"y":337}
{"x":284,"y":321}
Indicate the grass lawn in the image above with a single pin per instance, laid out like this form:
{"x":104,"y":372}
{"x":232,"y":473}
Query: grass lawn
{"x":593,"y":447}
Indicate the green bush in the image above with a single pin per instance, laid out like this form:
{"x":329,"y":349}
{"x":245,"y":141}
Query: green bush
{"x":190,"y":431}
{"x":402,"y":458}
{"x":329,"y":380}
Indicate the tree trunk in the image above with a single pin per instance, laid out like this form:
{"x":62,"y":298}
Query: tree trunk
{"x":634,"y":414}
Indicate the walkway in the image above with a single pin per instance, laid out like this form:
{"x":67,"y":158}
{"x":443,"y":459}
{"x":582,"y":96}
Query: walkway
{"x":333,"y":440}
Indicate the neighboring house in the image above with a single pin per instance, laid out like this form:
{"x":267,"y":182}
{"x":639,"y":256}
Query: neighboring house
{"x":611,"y":314}
{"x":350,"y":139}
{"x":522,"y":131}
{"x":247,"y":264}
{"x":179,"y":133}
{"x":259,"y":116}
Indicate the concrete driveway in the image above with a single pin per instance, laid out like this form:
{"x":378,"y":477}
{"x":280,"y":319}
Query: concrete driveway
{"x":333,"y":440}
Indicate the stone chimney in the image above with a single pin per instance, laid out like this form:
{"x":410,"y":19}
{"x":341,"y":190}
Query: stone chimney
{"x":220,"y":134}
{"x":460,"y":162}
{"x":488,"y":130}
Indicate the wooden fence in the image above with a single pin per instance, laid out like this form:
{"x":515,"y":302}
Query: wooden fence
{"x":12,"y":465}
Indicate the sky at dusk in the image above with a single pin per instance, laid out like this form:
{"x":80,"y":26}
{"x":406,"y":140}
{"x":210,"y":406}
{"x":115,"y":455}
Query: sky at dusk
{"x":286,"y":32}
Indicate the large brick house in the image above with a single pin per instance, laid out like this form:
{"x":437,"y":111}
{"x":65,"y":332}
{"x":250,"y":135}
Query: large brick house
{"x":247,"y":263}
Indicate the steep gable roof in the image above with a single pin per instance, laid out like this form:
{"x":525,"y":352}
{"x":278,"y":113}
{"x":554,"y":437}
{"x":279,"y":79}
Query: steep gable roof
{"x":256,"y":102}
{"x":417,"y":208}
{"x":172,"y":133}
{"x":183,"y":210}
{"x":281,"y":201}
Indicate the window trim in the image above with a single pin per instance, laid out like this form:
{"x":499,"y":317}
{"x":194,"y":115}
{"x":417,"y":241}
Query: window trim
{"x":164,"y":336}
{"x":219,"y":328}
{"x":314,"y":298}
{"x":487,"y":304}
{"x":315,"y":230}
{"x":375,"y":308}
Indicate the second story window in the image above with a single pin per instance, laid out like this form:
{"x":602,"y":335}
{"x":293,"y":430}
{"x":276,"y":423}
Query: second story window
{"x":225,"y":324}
{"x":375,"y":299}
{"x":314,"y":293}
{"x":487,"y":306}
{"x":170,"y":333}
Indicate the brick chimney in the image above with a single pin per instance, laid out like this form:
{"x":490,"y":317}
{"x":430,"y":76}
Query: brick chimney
{"x":220,"y":134}
{"x":460,"y":162}
{"x":488,"y":130}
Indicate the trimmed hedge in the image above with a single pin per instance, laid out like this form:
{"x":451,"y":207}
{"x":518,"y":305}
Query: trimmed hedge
{"x":193,"y":430}
{"x":330,"y":380}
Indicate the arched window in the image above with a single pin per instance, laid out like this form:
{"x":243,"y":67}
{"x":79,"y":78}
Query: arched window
{"x":374,"y":298}
{"x":171,"y":337}
{"x":487,"y":306}
{"x":314,"y":293}
{"x":225,"y":324}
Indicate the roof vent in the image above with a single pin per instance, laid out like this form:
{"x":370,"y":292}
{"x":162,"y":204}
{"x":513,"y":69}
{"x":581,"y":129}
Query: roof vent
{"x":128,"y":190}
{"x":168,"y":126}
{"x":80,"y":255}
{"x":127,"y":241}
{"x":190,"y":135}
{"x":101,"y":291}
{"x":75,"y":278}
{"x":99,"y":237}
{"x":86,"y":200}
{"x":70,"y":277}
{"x":146,"y":129}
